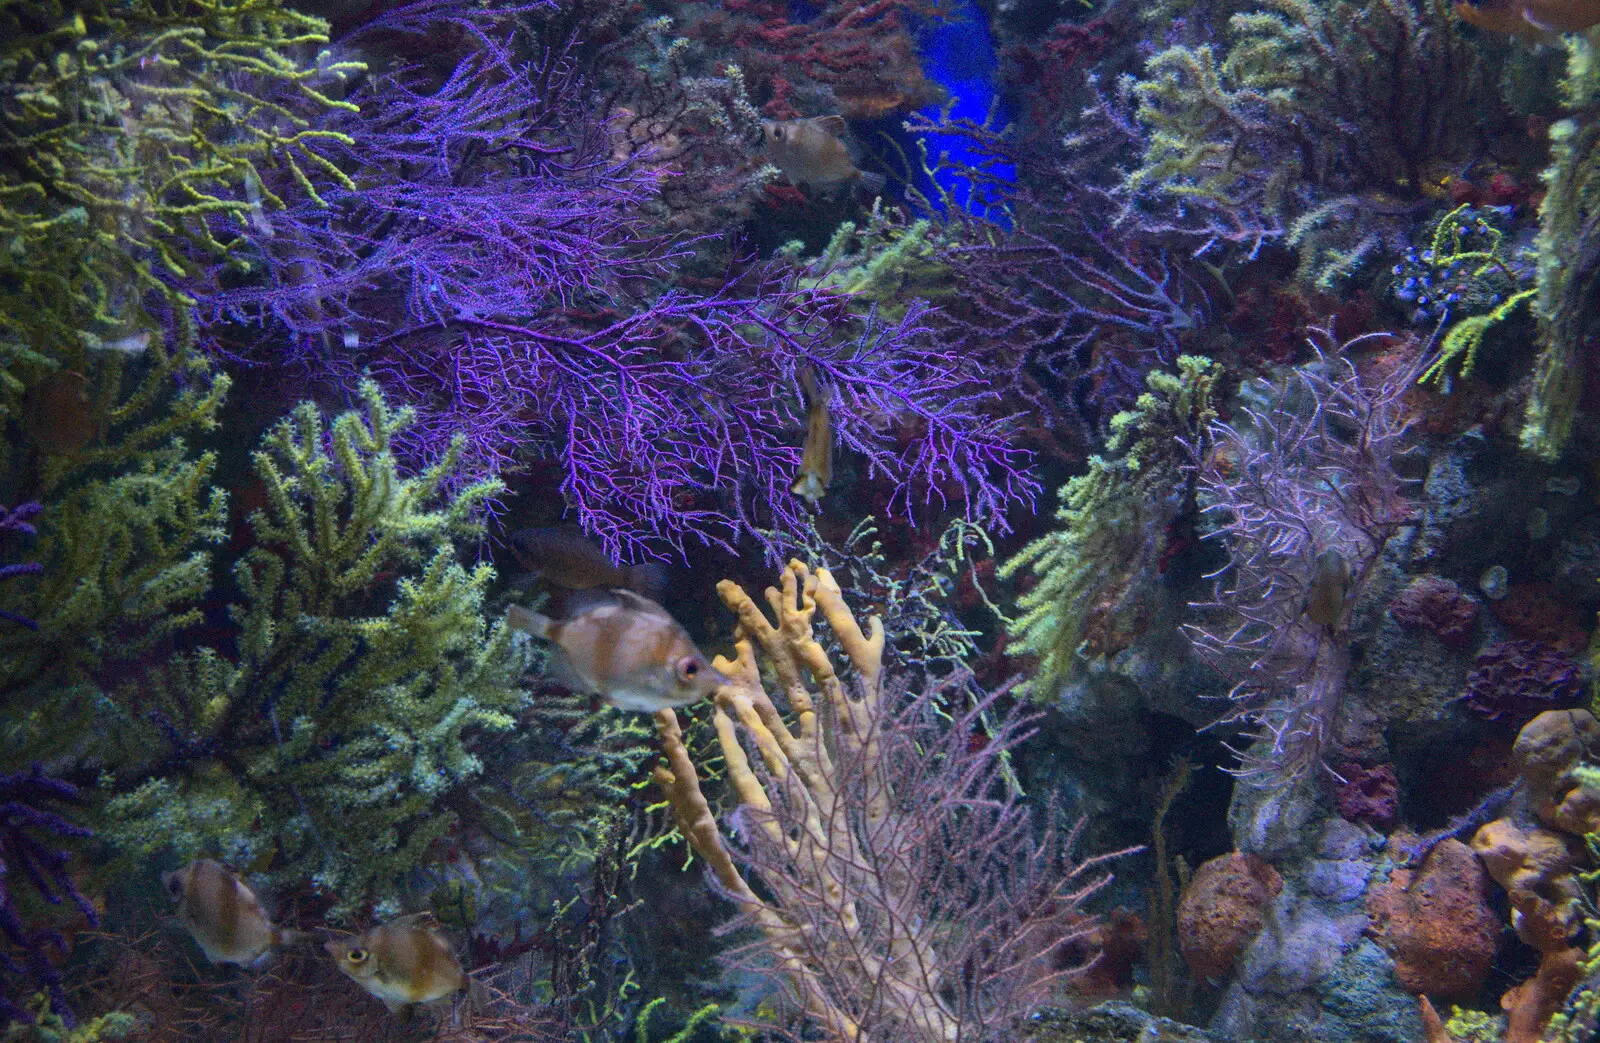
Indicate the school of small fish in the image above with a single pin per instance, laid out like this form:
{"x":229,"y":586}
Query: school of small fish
{"x":404,"y":963}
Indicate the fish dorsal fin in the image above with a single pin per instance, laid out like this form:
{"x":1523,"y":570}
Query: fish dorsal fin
{"x":581,"y":602}
{"x":640,"y":603}
{"x":834,"y":125}
{"x":424,"y":920}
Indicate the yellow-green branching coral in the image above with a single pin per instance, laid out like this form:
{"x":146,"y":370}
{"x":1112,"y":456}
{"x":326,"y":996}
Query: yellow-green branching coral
{"x":327,"y":744}
{"x":1111,"y":523}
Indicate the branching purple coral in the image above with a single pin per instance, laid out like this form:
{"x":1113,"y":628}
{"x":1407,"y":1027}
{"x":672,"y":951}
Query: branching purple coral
{"x":16,"y":520}
{"x":1306,"y":497}
{"x":25,"y":822}
{"x":498,"y":267}
{"x":1046,"y":273}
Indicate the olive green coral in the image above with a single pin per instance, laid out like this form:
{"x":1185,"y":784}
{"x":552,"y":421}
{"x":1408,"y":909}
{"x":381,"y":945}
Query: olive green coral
{"x":1569,"y":258}
{"x":325,"y":746}
{"x":1111,"y":523}
{"x":1322,"y":118}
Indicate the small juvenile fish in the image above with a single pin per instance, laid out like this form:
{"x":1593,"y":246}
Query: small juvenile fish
{"x":404,"y":962}
{"x":816,"y":460}
{"x":626,"y":649}
{"x":812,"y":151}
{"x":57,"y":413}
{"x":1330,"y":585}
{"x":563,"y":555}
{"x":223,"y":914}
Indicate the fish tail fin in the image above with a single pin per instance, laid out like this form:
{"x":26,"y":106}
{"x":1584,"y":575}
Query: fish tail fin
{"x":873,"y":181}
{"x":649,"y":579}
{"x":529,"y":620}
{"x":808,"y":383}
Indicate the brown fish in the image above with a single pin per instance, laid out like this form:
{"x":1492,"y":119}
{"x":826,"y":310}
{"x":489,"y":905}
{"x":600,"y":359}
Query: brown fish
{"x":626,"y":649}
{"x":563,"y":555}
{"x":1330,"y":587}
{"x":57,"y":413}
{"x":223,"y":914}
{"x":813,"y":152}
{"x":404,"y":962}
{"x":816,"y":460}
{"x":1538,"y":20}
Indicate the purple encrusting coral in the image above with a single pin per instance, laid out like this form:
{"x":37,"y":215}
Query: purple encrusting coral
{"x":499,"y":266}
{"x":1515,"y":681}
{"x":16,"y":520}
{"x":25,"y":821}
{"x":1437,"y":605}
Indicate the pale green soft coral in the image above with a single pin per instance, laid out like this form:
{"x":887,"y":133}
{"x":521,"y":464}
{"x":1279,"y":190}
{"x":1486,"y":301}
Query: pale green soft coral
{"x":1110,"y":523}
{"x":364,"y":664}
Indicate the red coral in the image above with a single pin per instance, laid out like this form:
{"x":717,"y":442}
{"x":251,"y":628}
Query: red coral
{"x":1370,"y":795}
{"x":1516,"y":681}
{"x":1437,"y":605}
{"x":1538,"y":612}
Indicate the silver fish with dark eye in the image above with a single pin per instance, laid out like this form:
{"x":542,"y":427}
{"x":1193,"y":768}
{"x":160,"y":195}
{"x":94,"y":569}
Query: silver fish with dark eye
{"x":625,"y":648}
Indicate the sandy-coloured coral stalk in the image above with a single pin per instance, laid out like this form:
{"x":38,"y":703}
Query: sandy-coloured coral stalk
{"x":904,"y":893}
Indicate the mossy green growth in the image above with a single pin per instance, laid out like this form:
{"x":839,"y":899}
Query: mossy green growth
{"x":1474,"y":1026}
{"x":325,"y":747}
{"x":148,"y":143}
{"x":1111,"y":523}
{"x":1295,"y":124}
{"x":48,"y":1027}
{"x":1569,"y":258}
{"x":125,"y":538}
{"x":885,"y":262}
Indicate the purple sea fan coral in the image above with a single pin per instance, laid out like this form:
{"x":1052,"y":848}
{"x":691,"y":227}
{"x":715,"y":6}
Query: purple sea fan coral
{"x":16,"y":520}
{"x":498,"y":267}
{"x":1515,"y":681}
{"x":1305,"y":496}
{"x":25,"y":853}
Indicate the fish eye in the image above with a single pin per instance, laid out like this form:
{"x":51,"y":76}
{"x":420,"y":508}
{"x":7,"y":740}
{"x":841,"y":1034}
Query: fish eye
{"x":175,"y":887}
{"x":357,"y":955}
{"x":777,"y":133}
{"x":688,"y":668}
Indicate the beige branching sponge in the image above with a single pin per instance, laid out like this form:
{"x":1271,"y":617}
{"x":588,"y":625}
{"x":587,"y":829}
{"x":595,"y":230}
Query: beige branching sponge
{"x":901,"y":891}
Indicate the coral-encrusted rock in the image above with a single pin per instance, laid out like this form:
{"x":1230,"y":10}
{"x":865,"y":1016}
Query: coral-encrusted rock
{"x":1370,"y":795}
{"x":1440,"y":932}
{"x":1222,"y":910}
{"x":1437,"y":605}
{"x":1546,"y":751}
{"x":1535,"y":866}
{"x":1538,"y":612}
{"x":1517,"y":680}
